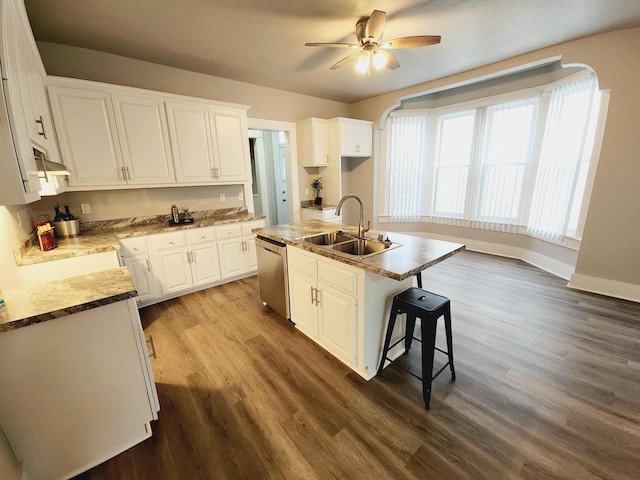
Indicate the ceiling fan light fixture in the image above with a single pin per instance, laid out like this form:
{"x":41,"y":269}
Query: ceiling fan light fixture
{"x":362,"y":65}
{"x":379,"y":60}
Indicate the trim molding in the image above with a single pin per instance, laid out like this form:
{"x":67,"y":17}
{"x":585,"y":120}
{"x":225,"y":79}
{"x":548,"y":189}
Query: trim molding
{"x":548,"y":264}
{"x":603,"y":286}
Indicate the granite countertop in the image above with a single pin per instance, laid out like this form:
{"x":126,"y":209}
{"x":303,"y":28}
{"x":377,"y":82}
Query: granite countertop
{"x":59,"y":298}
{"x":414,"y":255}
{"x":103,"y":236}
{"x":324,"y":206}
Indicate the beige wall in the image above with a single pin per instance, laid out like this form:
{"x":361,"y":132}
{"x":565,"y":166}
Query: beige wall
{"x":11,"y":234}
{"x":612,"y":230}
{"x":112,"y":204}
{"x":267,"y":103}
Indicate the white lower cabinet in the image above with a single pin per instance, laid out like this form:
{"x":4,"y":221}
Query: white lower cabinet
{"x":165,"y":265}
{"x":140,"y":269}
{"x":76,"y":390}
{"x":324,"y":302}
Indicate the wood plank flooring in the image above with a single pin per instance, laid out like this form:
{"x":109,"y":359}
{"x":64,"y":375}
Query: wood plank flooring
{"x":548,"y":386}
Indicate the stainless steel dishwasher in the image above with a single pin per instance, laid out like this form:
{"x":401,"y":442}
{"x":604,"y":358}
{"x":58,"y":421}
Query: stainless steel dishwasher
{"x":272,"y":275}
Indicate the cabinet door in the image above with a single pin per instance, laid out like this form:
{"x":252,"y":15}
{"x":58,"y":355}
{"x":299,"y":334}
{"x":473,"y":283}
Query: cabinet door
{"x":231,"y":141}
{"x":301,"y":300}
{"x":205,"y":264}
{"x":250,"y":257}
{"x":337,"y":322}
{"x":173,"y":270}
{"x":190,"y":128}
{"x":140,"y":271}
{"x":232,"y":261}
{"x":86,"y":129}
{"x":144,"y":140}
{"x":355,"y":139}
{"x":320,"y":142}
{"x":20,"y":107}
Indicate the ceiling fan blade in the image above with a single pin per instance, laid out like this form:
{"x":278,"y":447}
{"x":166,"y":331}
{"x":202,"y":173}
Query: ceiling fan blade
{"x":411,"y":42}
{"x":392,"y":62}
{"x":331,"y":45}
{"x":345,"y":60}
{"x":375,"y":25}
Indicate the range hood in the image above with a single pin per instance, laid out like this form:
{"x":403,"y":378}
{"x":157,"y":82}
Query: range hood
{"x":47,"y":167}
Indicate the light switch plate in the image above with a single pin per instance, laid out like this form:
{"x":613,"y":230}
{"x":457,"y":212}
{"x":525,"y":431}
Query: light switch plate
{"x":240,"y":196}
{"x":223,"y":197}
{"x":85,"y":208}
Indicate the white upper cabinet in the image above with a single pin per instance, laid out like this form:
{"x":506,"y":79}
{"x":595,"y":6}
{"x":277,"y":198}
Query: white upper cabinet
{"x":314,"y":142}
{"x":144,"y":140}
{"x":210,"y":145}
{"x":89,"y":144}
{"x":353,"y":137}
{"x":120,"y":137}
{"x":190,"y":131}
{"x":231,"y":145}
{"x":25,"y":101}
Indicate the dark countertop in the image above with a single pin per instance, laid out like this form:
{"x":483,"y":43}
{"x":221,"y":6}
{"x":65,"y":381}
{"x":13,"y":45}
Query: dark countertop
{"x":414,"y":255}
{"x":59,"y":298}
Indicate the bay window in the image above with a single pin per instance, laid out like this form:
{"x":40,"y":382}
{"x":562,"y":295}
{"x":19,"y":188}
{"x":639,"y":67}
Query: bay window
{"x":516,"y":163}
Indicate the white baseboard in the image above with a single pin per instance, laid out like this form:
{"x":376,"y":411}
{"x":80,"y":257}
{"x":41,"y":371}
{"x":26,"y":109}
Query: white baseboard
{"x":602,"y":286}
{"x":551,"y":265}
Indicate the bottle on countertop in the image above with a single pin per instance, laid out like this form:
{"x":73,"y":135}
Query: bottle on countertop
{"x":67,"y":213}
{"x":175,"y":215}
{"x":59,"y":215}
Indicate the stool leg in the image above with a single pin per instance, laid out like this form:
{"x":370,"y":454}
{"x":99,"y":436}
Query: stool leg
{"x":408,"y":334}
{"x":419,"y":279}
{"x":428,"y":351}
{"x":387,"y":339}
{"x":447,"y":327}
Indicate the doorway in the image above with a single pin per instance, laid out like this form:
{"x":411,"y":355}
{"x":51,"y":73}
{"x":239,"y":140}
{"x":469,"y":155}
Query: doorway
{"x":269,"y":150}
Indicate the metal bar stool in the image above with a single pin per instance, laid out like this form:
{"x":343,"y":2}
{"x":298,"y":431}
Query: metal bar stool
{"x":429,"y":307}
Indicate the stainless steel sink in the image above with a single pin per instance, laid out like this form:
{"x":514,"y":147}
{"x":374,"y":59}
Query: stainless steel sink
{"x":349,"y":245}
{"x":330,"y":238}
{"x":364,"y":247}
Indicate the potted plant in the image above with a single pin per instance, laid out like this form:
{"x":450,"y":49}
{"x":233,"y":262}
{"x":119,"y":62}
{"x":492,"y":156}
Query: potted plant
{"x":317,"y":188}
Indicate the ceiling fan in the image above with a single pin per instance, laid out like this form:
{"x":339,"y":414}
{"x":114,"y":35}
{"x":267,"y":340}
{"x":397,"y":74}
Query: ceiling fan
{"x":371,"y":49}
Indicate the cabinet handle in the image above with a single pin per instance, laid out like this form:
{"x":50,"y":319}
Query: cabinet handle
{"x":153,"y":347}
{"x":41,"y":122}
{"x":357,"y":148}
{"x":318,"y":292}
{"x":124,"y":175}
{"x":193,"y":257}
{"x":171,"y":243}
{"x":215,"y":172}
{"x":188,"y":257}
{"x":148,"y":265}
{"x":126,"y":169}
{"x":312,"y":299}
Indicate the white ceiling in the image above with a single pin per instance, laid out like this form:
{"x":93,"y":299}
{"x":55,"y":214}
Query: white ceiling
{"x":262,"y":41}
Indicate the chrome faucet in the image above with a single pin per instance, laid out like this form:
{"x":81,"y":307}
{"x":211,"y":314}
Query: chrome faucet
{"x":361,"y":229}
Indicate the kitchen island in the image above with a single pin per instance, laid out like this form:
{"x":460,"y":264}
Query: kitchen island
{"x":342,"y":301}
{"x":77,"y":386}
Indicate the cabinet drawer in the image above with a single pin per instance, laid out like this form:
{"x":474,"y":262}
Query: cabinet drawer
{"x":301,"y":262}
{"x":201,"y":235}
{"x":229,"y":231}
{"x":132,"y":246}
{"x":337,"y":277}
{"x":163,"y":241}
{"x":247,"y":227}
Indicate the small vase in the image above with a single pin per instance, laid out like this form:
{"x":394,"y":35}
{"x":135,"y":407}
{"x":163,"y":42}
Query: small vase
{"x":318,"y":201}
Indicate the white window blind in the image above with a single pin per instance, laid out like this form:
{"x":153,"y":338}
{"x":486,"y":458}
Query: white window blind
{"x":564,"y":161}
{"x":503,"y":163}
{"x":406,"y":158}
{"x":454,"y":148}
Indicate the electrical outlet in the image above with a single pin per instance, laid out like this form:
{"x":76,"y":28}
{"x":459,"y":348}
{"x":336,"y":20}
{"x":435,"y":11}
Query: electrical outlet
{"x":306,"y":191}
{"x":223,"y":197}
{"x":240,"y":196}
{"x":85,"y":208}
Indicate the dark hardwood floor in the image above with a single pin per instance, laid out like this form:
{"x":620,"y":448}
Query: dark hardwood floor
{"x":548,"y":386}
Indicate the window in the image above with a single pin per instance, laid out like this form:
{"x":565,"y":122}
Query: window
{"x":405,"y":163}
{"x":517,"y":164}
